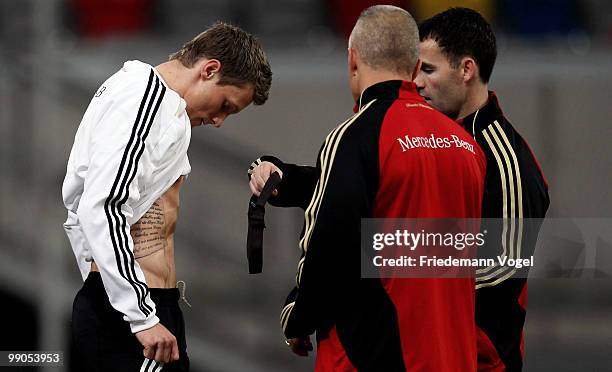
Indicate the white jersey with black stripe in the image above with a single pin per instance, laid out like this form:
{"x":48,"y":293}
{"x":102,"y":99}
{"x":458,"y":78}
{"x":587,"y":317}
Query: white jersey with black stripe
{"x":130,"y":147}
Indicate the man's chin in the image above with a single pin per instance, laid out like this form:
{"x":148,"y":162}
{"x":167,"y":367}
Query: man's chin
{"x":451,"y":114}
{"x":431,"y":103}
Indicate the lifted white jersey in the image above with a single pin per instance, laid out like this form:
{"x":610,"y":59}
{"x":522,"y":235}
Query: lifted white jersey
{"x":130,"y":147}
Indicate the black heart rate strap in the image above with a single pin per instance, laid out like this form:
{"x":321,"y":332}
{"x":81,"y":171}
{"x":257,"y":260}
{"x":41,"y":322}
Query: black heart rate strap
{"x":257,"y":224}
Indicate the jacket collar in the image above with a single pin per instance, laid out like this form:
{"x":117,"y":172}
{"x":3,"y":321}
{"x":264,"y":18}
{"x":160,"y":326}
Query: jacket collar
{"x":482,"y":117}
{"x":175,"y":100}
{"x":388,"y":90}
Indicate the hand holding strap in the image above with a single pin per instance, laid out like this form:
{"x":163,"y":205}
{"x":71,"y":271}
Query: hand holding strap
{"x":257,"y":224}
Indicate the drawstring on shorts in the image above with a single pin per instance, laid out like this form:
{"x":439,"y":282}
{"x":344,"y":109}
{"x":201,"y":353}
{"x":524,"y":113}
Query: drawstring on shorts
{"x":182,"y":287}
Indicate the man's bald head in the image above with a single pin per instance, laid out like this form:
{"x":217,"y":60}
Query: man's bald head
{"x":386,"y":38}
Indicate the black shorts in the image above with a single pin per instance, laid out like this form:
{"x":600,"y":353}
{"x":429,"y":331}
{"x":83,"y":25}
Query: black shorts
{"x":103,"y":341}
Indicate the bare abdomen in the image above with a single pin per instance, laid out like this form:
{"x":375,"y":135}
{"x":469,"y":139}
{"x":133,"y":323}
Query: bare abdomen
{"x":153,"y":237}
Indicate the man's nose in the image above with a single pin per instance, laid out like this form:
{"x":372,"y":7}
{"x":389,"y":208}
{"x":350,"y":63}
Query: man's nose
{"x":419,"y":82}
{"x":218,"y":120}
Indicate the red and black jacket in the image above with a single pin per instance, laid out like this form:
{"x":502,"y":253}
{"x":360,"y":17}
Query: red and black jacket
{"x":364,"y":171}
{"x":516,"y":192}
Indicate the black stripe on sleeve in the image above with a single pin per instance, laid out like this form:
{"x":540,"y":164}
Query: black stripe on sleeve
{"x":120,"y":191}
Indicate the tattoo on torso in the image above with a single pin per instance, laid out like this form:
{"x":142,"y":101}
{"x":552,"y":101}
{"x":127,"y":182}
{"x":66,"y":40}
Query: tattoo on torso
{"x":148,"y":233}
{"x":155,"y":230}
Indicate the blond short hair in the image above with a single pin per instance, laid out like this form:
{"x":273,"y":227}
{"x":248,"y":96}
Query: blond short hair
{"x":386,"y":38}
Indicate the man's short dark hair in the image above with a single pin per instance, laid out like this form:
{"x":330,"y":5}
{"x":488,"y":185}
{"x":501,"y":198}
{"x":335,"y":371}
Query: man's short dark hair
{"x":243,"y":61}
{"x":462,"y":32}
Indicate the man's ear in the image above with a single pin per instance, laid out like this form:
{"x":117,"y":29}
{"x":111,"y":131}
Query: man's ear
{"x":352,"y":61}
{"x":469,"y":69}
{"x":210,"y":68}
{"x":417,"y":69}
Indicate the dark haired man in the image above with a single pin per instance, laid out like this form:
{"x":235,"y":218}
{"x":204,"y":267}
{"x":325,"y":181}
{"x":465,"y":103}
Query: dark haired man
{"x":127,"y":164}
{"x":389,"y":324}
{"x":458,"y":51}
